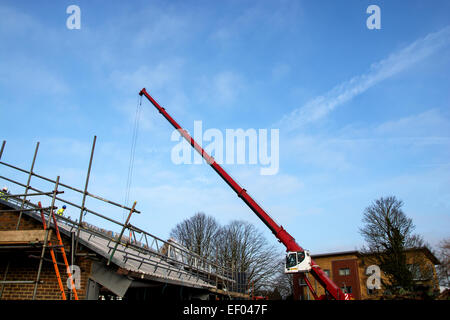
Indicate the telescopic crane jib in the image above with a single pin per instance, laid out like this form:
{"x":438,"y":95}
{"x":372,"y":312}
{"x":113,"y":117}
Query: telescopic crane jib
{"x":298,"y":260}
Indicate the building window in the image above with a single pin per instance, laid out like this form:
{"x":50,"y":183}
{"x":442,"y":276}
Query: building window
{"x":419,"y":273}
{"x":327,"y":271}
{"x":344,"y":272}
{"x":370,"y":291}
{"x":347,"y":289}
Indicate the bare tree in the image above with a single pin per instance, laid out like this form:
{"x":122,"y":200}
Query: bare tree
{"x":444,"y":268}
{"x":388,"y":232}
{"x":239,"y":247}
{"x":198,"y":234}
{"x":284,"y":282}
{"x":244,"y":249}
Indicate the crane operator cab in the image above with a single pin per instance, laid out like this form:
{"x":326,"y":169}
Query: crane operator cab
{"x":299,"y":261}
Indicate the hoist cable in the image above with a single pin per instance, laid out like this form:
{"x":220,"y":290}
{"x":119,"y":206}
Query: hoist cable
{"x":137,"y":117}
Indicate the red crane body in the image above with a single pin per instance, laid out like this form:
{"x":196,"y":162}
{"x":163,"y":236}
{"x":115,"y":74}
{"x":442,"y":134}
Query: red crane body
{"x":282,"y":235}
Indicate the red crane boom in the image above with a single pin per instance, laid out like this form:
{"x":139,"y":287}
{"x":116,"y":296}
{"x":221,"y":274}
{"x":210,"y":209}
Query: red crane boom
{"x":282,"y":235}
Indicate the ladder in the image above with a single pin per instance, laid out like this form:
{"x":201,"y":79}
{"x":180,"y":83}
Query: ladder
{"x":63,"y":252}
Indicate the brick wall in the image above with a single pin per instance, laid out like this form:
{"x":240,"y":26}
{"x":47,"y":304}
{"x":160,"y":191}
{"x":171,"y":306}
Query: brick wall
{"x":358,"y":280}
{"x":325,"y":263}
{"x":350,"y":280}
{"x":412,"y":257}
{"x":22,"y":267}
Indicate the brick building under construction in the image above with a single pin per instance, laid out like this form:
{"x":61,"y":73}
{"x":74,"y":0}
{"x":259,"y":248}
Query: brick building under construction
{"x":46,"y":256}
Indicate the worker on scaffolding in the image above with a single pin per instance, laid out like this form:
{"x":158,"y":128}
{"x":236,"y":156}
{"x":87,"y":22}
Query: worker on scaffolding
{"x":60,"y":212}
{"x":4,"y":194}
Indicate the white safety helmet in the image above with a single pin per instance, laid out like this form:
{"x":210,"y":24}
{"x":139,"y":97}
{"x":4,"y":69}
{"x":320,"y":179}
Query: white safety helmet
{"x":5,"y":189}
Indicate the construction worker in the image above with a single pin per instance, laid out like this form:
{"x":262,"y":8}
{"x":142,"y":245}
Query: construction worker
{"x":60,"y":212}
{"x":3,"y":193}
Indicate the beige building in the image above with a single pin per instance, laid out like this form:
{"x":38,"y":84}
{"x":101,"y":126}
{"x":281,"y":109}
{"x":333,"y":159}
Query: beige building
{"x":349,"y":270}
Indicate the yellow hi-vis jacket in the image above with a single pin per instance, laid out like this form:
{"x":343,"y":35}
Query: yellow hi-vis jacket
{"x":60,"y":212}
{"x":3,"y":195}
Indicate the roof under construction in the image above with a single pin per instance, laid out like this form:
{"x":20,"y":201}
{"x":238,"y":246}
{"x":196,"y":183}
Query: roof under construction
{"x":147,"y":259}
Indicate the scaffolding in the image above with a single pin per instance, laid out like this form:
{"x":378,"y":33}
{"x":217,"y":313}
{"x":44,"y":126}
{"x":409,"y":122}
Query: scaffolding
{"x":141,"y":252}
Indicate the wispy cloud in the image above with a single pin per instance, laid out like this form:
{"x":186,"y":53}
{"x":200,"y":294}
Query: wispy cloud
{"x":156,"y":77}
{"x":162,"y":80}
{"x":259,"y":17}
{"x":32,"y":76}
{"x":395,"y":63}
{"x":221,"y":88}
{"x":422,"y":138}
{"x":27,"y":71}
{"x":430,"y":123}
{"x":280,"y":70}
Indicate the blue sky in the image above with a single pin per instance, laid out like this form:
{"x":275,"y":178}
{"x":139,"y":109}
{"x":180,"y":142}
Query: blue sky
{"x":362,"y":113}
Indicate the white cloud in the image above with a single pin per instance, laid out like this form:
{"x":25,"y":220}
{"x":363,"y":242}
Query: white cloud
{"x":166,"y":28}
{"x":22,"y":71}
{"x":412,"y":132}
{"x":17,"y":24}
{"x":221,"y":88}
{"x":260,"y":17}
{"x":163,"y":82}
{"x":26,"y":75}
{"x":430,"y":123}
{"x":229,"y":30}
{"x":226,"y":85}
{"x":275,"y":186}
{"x":355,"y":147}
{"x":157,"y":77}
{"x":395,"y":63}
{"x":280,"y":70}
{"x":319,"y":151}
{"x":68,"y":146}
